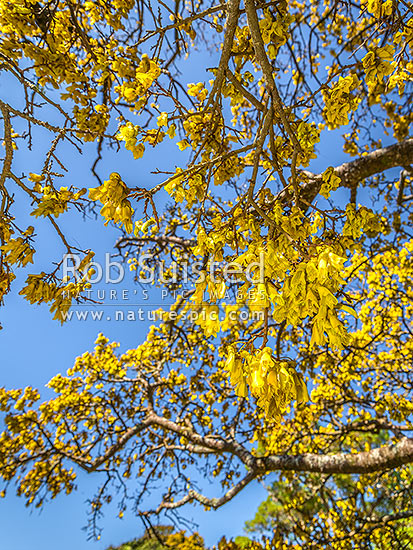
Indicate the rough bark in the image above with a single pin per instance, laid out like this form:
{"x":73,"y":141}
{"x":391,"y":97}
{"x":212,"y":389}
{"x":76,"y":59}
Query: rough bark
{"x":354,"y":172}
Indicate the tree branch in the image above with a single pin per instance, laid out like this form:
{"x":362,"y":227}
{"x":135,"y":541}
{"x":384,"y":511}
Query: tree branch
{"x":267,"y":70}
{"x":383,"y":458}
{"x":206,"y":501}
{"x":354,"y":172}
{"x":230,"y":28}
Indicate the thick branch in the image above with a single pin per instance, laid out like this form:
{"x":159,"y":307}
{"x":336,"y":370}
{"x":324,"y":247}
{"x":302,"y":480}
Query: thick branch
{"x":354,"y":172}
{"x":398,"y":154}
{"x":266,"y":68}
{"x":230,"y":28}
{"x":379,"y":459}
{"x":376,"y":460}
{"x":8,"y":144}
{"x":383,"y":458}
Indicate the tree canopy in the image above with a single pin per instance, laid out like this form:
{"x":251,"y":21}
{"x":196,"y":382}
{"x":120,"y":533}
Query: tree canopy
{"x":301,"y":370}
{"x":164,"y":537}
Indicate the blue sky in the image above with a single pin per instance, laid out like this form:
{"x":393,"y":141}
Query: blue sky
{"x":34,"y":347}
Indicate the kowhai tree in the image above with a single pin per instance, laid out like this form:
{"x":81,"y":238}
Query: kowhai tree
{"x":313,"y":386}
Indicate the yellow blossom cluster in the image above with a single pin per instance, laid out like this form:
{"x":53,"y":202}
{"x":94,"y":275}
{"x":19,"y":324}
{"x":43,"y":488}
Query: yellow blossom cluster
{"x":54,"y":202}
{"x":378,"y":8}
{"x":340,"y":101}
{"x":272,"y":382}
{"x":129,"y":134}
{"x":42,"y":289}
{"x":190,"y":188}
{"x":146,"y":73}
{"x":19,"y":251}
{"x":274,"y":28}
{"x":113,"y":194}
{"x":198,"y":91}
{"x":377,"y":64}
{"x":359,"y":220}
{"x":330,"y":182}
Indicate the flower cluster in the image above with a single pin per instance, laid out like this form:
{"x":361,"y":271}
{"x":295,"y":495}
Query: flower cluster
{"x":113,"y":194}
